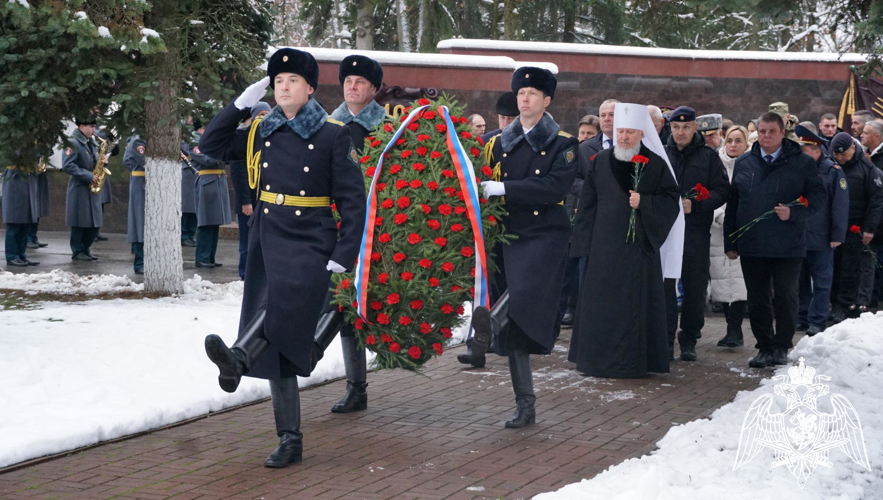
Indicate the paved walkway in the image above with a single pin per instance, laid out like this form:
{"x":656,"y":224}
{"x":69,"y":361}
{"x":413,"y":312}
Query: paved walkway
{"x":433,"y":436}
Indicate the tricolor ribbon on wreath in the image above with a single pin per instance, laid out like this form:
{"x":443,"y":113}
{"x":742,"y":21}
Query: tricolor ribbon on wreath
{"x":469,"y":186}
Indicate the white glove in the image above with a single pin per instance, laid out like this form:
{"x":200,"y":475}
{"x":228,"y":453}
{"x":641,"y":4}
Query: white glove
{"x":253,"y":94}
{"x":334,"y":267}
{"x":493,"y":188}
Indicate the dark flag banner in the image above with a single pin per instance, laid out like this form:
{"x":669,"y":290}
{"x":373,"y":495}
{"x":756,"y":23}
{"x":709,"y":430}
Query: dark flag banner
{"x":861,"y":94}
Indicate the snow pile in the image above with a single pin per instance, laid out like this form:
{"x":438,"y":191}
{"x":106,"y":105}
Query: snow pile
{"x":695,"y":461}
{"x":104,"y":32}
{"x":63,"y":282}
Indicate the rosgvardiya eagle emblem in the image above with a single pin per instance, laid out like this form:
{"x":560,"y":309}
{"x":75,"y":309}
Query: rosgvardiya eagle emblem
{"x":802,"y":436}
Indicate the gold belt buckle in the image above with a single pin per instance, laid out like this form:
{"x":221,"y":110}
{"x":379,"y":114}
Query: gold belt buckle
{"x":280,"y":199}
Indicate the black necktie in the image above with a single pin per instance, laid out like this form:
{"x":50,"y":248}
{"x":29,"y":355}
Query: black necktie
{"x":608,"y":142}
{"x":768,"y":158}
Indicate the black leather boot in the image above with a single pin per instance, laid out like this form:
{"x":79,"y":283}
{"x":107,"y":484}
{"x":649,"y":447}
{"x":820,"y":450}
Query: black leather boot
{"x":286,"y":411}
{"x":688,"y":352}
{"x":522,"y":384}
{"x":487,"y":325}
{"x":329,"y":324}
{"x":235,"y":361}
{"x":356,"y":397}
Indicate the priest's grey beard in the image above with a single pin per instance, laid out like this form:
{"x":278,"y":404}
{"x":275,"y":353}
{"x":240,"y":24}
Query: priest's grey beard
{"x":623,"y":154}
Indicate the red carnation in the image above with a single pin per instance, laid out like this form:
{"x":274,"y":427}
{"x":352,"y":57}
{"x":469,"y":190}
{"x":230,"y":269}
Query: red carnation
{"x":447,"y":308}
{"x":480,"y":140}
{"x":392,"y":299}
{"x":460,"y":310}
{"x":387,"y":127}
{"x":422,"y":150}
{"x":433,"y":282}
{"x":466,"y":135}
{"x":398,"y":257}
{"x":376,"y":305}
{"x":416,"y":305}
{"x":406,"y":276}
{"x":433,"y":224}
{"x":369,"y":172}
{"x":487,"y":171}
{"x":492,"y":220}
{"x":400,"y":142}
{"x":401,"y":184}
{"x":450,"y":191}
{"x":416,"y":183}
{"x":475,"y":152}
{"x":359,"y":324}
{"x":383,"y":278}
{"x":445,"y":209}
{"x":395,"y":169}
{"x":395,"y":347}
{"x":406,"y":153}
{"x":345,"y":284}
{"x":472,"y":291}
{"x":456,"y":288}
{"x":364,"y":159}
{"x":803,"y":201}
{"x":383,"y":319}
{"x":375,"y":256}
{"x":413,"y":126}
{"x":855,"y":229}
{"x":385,"y":338}
{"x":403,"y":202}
{"x":381,"y":186}
{"x":448,"y":173}
{"x":448,"y":267}
{"x":640,"y":159}
{"x":405,"y":321}
{"x":400,"y":219}
{"x":415,"y":352}
{"x":387,"y":203}
{"x":438,"y":348}
{"x":334,"y":207}
{"x":432,"y":185}
{"x":414,"y":238}
{"x":460,"y":210}
{"x":425,"y":263}
{"x":375,"y":143}
{"x":423,"y":101}
{"x":418,"y":167}
{"x":384,"y":238}
{"x":422,"y":137}
{"x":441,"y":127}
{"x":464,"y":120}
{"x":426,"y":208}
{"x":467,"y":252}
{"x":441,"y":241}
{"x":446,"y":332}
{"x":429,"y":115}
{"x":435,"y":155}
{"x":425,"y":328}
{"x":371,"y":340}
{"x":457,"y":228}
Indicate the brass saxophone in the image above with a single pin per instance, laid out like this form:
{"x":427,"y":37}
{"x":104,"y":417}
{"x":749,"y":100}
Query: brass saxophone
{"x":100,"y":170}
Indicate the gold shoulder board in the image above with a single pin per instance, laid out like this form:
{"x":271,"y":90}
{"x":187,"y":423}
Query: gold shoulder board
{"x":564,"y":134}
{"x":336,"y":122}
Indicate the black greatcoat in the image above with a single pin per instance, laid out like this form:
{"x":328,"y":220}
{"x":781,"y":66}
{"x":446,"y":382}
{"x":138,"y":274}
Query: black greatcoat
{"x":289,"y":246}
{"x":620,"y":331}
{"x":537,"y":171}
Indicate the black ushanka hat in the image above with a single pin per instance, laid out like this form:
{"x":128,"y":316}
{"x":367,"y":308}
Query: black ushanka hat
{"x":295,"y":61}
{"x":538,"y":78}
{"x":362,"y":66}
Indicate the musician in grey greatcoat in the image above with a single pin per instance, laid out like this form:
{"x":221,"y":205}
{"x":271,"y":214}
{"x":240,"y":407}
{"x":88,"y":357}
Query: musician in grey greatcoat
{"x":107,"y":187}
{"x":43,"y":207}
{"x":20,"y":210}
{"x":133,"y":160}
{"x":82,"y":207}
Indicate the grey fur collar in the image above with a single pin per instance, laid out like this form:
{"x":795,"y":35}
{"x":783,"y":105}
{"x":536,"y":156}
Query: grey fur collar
{"x":371,"y":116}
{"x":539,"y":137}
{"x":307,"y":122}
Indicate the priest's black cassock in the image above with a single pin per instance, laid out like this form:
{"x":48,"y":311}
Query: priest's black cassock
{"x":620,"y":331}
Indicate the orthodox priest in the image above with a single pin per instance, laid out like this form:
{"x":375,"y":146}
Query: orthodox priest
{"x":620,"y":331}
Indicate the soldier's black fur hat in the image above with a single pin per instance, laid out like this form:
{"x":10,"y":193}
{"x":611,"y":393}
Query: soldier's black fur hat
{"x":86,"y":119}
{"x":362,"y":66}
{"x":538,"y":78}
{"x":295,"y":61}
{"x":507,"y":105}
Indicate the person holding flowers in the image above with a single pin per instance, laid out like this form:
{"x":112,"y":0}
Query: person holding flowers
{"x":629,"y":229}
{"x":775,"y":189}
{"x":704,"y":186}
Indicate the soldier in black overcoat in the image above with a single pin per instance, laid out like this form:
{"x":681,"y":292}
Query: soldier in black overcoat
{"x":302,"y":160}
{"x":537,"y":163}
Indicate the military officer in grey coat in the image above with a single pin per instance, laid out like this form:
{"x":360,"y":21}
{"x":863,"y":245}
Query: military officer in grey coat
{"x":188,"y":197}
{"x":20,"y":210}
{"x":133,"y":160}
{"x":538,"y":162}
{"x":83,"y":207}
{"x":212,"y":205}
{"x":107,"y":188}
{"x":305,"y":161}
{"x":44,"y":209}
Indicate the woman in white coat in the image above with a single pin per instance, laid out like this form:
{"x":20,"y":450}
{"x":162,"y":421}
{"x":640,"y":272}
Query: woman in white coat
{"x":727,"y":284}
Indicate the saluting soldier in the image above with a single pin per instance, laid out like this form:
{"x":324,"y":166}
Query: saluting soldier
{"x":304,"y":160}
{"x":538,"y":164}
{"x":83,"y":207}
{"x":20,"y":210}
{"x":133,"y":159}
{"x":212,"y":205}
{"x":188,"y":198}
{"x":360,"y":77}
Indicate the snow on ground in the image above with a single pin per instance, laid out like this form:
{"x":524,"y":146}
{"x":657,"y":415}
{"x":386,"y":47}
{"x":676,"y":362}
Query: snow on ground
{"x":695,"y":461}
{"x":76,"y":374}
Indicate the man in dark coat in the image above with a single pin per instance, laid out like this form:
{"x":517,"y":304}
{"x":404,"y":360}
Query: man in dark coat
{"x":44,"y":209}
{"x":538,"y":162}
{"x":694,"y":162}
{"x":359,"y":77}
{"x":83,"y":212}
{"x":188,"y":197}
{"x":620,"y":329}
{"x":107,"y":187}
{"x":245,"y":197}
{"x":773,"y":174}
{"x":824,"y":232}
{"x":507,"y":112}
{"x":133,"y":160}
{"x":212,"y":205}
{"x":20,"y":210}
{"x":865,"y":183}
{"x":304,"y":160}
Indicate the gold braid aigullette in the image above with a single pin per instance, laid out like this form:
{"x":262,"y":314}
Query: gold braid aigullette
{"x":253,"y":160}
